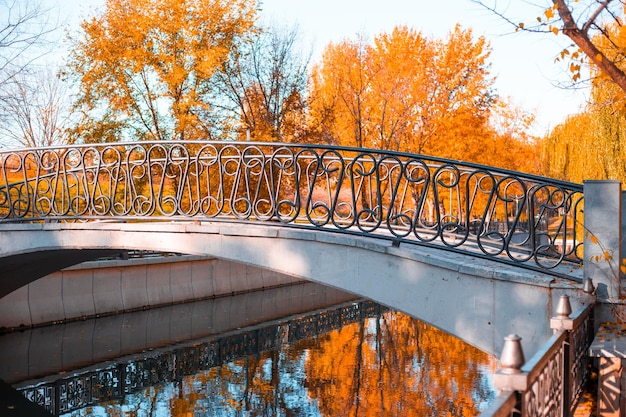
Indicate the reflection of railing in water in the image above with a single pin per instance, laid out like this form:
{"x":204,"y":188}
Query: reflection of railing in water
{"x":492,"y":213}
{"x":125,"y":377}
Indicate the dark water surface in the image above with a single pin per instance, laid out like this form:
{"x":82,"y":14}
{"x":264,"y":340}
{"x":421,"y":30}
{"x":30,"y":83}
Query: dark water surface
{"x":302,"y":350}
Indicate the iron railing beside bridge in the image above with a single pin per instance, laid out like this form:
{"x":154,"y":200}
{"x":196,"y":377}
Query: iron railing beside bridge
{"x":552,"y":381}
{"x":507,"y":216}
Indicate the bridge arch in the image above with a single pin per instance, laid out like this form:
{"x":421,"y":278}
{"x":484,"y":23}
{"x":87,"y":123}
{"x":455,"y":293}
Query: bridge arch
{"x":478,"y":300}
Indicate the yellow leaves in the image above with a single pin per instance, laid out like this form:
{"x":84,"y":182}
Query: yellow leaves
{"x":604,"y":257}
{"x":574,"y":68}
{"x":562,"y":55}
{"x":145,"y":60}
{"x":549,"y":15}
{"x":599,"y":130}
{"x":576,"y":60}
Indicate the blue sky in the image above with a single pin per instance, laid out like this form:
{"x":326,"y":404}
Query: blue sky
{"x":523,"y":63}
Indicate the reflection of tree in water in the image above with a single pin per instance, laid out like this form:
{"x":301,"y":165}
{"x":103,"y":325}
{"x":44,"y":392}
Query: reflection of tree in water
{"x":388,"y":365}
{"x":395,"y":365}
{"x":272,"y":384}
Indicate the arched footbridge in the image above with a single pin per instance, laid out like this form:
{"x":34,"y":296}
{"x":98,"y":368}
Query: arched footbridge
{"x":477,"y":251}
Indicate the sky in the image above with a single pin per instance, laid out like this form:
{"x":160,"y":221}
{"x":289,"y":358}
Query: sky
{"x":522,"y":63}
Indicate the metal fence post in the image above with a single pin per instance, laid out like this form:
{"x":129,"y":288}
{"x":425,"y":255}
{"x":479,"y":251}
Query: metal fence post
{"x":510,"y":378}
{"x":562,"y":321}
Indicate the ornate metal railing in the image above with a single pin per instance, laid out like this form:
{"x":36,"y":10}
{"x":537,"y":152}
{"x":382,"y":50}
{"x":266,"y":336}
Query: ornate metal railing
{"x":511,"y":217}
{"x":552,"y":381}
{"x":114,"y":380}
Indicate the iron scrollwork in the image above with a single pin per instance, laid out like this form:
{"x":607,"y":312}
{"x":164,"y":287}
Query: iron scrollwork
{"x":511,"y":217}
{"x":545,"y":395}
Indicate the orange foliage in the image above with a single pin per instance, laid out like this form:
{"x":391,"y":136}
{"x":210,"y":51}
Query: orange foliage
{"x":406,"y":92}
{"x":148,"y":64}
{"x":403,"y":367}
{"x":590,"y":145}
{"x":403,"y":92}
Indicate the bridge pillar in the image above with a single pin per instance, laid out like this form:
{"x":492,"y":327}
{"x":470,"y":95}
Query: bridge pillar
{"x":603,"y":237}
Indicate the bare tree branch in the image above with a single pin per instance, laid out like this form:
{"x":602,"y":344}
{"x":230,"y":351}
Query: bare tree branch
{"x":35,"y":110}
{"x":584,"y":36}
{"x":266,"y":80}
{"x":25,"y":27}
{"x":592,"y":19}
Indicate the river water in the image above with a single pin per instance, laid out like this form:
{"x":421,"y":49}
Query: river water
{"x":307,"y":351}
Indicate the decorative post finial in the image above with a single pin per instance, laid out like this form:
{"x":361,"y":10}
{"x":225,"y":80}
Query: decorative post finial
{"x":588,"y":286}
{"x":512,"y":357}
{"x":563,"y":308}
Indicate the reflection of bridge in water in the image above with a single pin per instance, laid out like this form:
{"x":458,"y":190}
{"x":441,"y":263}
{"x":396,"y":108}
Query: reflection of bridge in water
{"x":478,"y":251}
{"x":48,"y":350}
{"x":112,"y":380}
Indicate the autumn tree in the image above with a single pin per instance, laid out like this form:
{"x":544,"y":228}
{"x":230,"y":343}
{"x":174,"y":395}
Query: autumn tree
{"x":263,"y":85}
{"x":600,"y":131}
{"x":507,"y":142}
{"x":144,"y":67}
{"x":338,"y":93}
{"x":403,"y":92}
{"x":462,"y":97}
